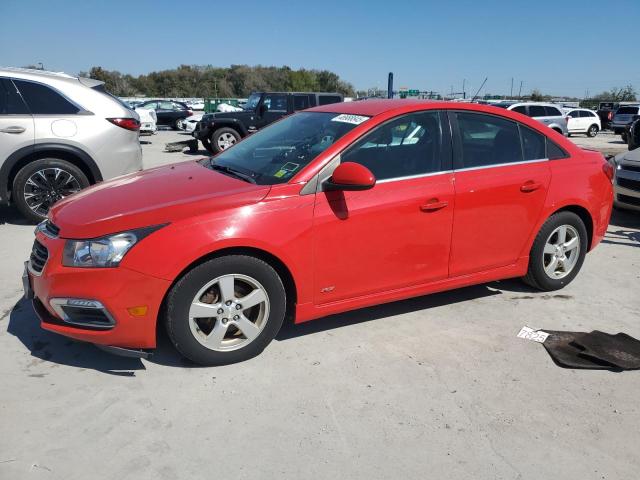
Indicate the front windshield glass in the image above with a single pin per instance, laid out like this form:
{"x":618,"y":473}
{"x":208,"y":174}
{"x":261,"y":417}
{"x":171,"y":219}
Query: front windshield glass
{"x":252,"y":102}
{"x":276,"y":153}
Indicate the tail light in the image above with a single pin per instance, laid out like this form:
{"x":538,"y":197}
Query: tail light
{"x":608,"y":169}
{"x":610,"y":116}
{"x":126,"y":123}
{"x":189,"y":112}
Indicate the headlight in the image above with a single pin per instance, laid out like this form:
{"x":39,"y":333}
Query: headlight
{"x":103,"y":252}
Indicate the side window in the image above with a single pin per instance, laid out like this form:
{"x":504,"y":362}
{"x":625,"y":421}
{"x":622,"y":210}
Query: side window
{"x":487,"y":140}
{"x":554,"y":152}
{"x":43,"y":100}
{"x":327,"y":99}
{"x":537,"y":111}
{"x":533,"y":144}
{"x":300,"y":102}
{"x":276,"y":102}
{"x":165,"y":106}
{"x":407,"y":146}
{"x":521,"y":109}
{"x":575,"y":113}
{"x":10,"y":101}
{"x":177,"y":107}
{"x":553,"y":112}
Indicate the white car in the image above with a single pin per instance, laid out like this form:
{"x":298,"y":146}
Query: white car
{"x":189,"y":124}
{"x":582,"y":120}
{"x":148,"y":121}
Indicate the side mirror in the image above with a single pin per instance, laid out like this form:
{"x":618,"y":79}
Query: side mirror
{"x":350,"y":176}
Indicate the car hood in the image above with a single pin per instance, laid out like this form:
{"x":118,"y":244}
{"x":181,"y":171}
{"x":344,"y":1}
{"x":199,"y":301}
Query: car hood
{"x":633,"y":156}
{"x":151,"y":197}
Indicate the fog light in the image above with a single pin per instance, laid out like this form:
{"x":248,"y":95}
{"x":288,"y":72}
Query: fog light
{"x":82,"y":312}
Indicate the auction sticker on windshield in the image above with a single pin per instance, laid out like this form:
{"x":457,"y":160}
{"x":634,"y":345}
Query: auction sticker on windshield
{"x":353,"y":119}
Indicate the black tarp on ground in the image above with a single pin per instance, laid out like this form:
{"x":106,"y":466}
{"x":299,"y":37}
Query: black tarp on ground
{"x":595,"y":350}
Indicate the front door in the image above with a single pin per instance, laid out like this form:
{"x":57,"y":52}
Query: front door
{"x":398,"y":233}
{"x":501,"y":182}
{"x":274,"y":107}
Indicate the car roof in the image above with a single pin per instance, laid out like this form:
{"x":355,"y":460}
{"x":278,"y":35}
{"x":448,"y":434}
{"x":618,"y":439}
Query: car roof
{"x":378,"y":106}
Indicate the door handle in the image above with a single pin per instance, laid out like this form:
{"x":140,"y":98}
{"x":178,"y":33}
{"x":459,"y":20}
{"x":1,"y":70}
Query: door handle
{"x":433,"y":205}
{"x":530,"y":186}
{"x":13,"y":129}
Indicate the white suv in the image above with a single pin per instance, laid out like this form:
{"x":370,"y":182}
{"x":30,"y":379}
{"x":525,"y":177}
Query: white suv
{"x":59,"y":134}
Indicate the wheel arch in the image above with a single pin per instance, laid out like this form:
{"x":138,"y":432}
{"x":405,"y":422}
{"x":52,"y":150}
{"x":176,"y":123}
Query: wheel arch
{"x":584,"y":215}
{"x":18,"y":159}
{"x":275,"y":262}
{"x":229,"y":123}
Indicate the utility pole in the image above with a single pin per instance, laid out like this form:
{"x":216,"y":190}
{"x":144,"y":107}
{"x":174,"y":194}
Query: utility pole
{"x":390,"y":86}
{"x":520,"y":91}
{"x":511,"y":94}
{"x":464,"y":92}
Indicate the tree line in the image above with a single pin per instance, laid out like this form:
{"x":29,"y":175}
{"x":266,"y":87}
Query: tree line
{"x":208,"y":81}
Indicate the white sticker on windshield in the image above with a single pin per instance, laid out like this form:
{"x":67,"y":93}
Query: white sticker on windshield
{"x":346,"y":118}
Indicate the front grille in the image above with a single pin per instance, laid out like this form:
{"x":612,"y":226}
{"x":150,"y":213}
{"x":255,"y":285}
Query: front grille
{"x":39,"y":256}
{"x":628,"y":183}
{"x":630,"y":168}
{"x":629,"y":200}
{"x":51,"y":230}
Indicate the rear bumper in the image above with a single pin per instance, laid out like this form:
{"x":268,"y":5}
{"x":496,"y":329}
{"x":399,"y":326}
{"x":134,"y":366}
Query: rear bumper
{"x":116,"y":289}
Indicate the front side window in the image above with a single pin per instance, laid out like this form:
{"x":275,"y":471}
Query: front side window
{"x":166,"y":106}
{"x":10,"y":101}
{"x":575,"y":114}
{"x":275,"y":102}
{"x":278,"y":152}
{"x":252,"y":102}
{"x":404,"y":147}
{"x":43,"y":100}
{"x":520,"y":109}
{"x":487,"y":140}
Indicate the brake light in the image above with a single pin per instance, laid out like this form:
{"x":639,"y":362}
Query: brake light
{"x":126,"y":123}
{"x":610,"y":116}
{"x":608,"y":170}
{"x":189,"y":112}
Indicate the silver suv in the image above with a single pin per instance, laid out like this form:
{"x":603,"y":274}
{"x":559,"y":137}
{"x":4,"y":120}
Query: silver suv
{"x":59,"y":134}
{"x":549,"y":114}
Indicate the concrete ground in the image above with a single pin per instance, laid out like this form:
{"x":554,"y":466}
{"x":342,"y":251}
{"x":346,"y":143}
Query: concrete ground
{"x":433,"y":387}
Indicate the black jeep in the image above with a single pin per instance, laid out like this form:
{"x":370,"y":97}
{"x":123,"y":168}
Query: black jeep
{"x":220,"y":130}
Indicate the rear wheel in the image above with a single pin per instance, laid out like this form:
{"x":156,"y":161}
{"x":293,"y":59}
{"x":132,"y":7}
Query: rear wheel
{"x":41,"y":183}
{"x":176,"y":124}
{"x":225,"y":310}
{"x":592,"y":131}
{"x":558,"y":252}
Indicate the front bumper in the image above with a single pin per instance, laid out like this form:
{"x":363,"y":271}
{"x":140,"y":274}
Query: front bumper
{"x":627,"y":186}
{"x":117,"y":290}
{"x":201,"y":132}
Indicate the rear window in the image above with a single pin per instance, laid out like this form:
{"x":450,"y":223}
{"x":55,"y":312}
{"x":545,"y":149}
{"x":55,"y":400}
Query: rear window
{"x":627,"y":111}
{"x":43,"y":100}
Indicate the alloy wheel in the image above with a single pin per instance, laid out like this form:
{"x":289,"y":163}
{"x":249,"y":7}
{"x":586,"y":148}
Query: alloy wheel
{"x":46,"y":186}
{"x":561,"y":252}
{"x":229,"y":312}
{"x":225,"y":140}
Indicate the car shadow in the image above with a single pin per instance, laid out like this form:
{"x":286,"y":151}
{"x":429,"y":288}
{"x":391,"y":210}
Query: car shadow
{"x":9,"y":215}
{"x":627,"y":233}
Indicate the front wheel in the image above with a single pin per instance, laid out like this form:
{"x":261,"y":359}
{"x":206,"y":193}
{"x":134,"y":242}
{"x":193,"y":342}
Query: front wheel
{"x":41,"y":183}
{"x":558,"y":252}
{"x":225,"y":310}
{"x":593,"y":131}
{"x":224,"y":138}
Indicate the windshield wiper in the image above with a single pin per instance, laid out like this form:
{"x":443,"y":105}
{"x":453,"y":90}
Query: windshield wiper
{"x":233,"y":172}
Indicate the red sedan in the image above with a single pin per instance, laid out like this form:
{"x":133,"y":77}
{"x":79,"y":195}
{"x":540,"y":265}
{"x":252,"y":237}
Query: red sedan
{"x":331,"y":209}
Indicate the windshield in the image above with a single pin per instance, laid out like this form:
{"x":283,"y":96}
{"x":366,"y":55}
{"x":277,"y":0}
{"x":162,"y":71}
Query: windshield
{"x":276,"y":153}
{"x":252,"y":101}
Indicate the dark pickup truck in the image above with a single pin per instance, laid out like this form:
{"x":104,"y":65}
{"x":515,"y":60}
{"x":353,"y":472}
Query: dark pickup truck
{"x":220,"y":130}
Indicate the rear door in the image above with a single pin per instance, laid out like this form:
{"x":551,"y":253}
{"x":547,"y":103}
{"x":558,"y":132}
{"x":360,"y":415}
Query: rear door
{"x":398,"y":233}
{"x":501,"y":181}
{"x":16,"y":122}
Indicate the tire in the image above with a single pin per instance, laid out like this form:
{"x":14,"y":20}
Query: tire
{"x":623,"y":135}
{"x":176,"y":124}
{"x":592,"y":131}
{"x":206,"y":143}
{"x":51,"y":180}
{"x":222,"y":136}
{"x":537,"y":275}
{"x":223,"y":332}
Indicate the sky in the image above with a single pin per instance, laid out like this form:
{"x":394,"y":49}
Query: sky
{"x":561,"y":47}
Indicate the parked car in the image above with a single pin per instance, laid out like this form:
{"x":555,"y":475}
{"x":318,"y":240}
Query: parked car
{"x":624,"y":116}
{"x":148,"y":121}
{"x":189,"y":124}
{"x":331,"y":209}
{"x":627,"y":180}
{"x":546,"y":113}
{"x":168,"y":112}
{"x":605,"y":112}
{"x":59,"y":134}
{"x":632,"y":132}
{"x":582,"y":120}
{"x":220,"y":130}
